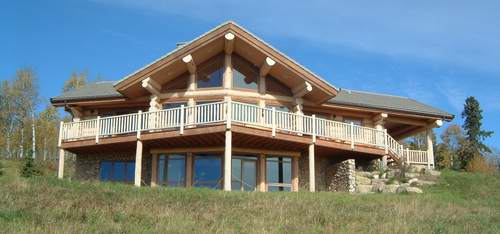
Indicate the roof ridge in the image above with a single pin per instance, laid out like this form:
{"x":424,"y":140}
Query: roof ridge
{"x":374,"y":93}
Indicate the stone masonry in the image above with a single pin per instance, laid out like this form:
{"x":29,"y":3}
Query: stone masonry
{"x":87,"y":166}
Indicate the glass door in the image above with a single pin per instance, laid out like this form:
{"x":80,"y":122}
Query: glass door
{"x":244,"y":173}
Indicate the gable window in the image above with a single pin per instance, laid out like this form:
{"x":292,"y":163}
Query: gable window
{"x":172,"y":169}
{"x":118,"y":171}
{"x":245,"y":75}
{"x":274,"y":86}
{"x":211,"y":73}
{"x":279,"y":173}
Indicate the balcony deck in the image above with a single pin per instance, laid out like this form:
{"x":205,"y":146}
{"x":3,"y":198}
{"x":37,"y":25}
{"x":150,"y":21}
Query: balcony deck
{"x":266,"y":127}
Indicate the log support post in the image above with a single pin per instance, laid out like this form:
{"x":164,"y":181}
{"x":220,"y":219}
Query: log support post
{"x":312,"y":178}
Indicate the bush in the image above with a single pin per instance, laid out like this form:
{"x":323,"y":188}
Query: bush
{"x":481,"y":165}
{"x":1,"y":168}
{"x":29,"y":168}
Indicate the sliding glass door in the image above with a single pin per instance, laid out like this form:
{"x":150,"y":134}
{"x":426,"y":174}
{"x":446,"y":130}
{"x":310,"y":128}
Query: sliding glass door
{"x":279,"y":173}
{"x":244,"y":173}
{"x":172,"y":170}
{"x":207,"y":171}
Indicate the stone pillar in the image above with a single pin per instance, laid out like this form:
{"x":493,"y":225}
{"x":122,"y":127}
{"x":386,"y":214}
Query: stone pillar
{"x":138,"y":164}
{"x":352,"y":175}
{"x":262,"y":173}
{"x":154,"y":170}
{"x":60,"y":170}
{"x":295,"y":174}
{"x":430,"y":150}
{"x":227,"y":161}
{"x":312,"y":180}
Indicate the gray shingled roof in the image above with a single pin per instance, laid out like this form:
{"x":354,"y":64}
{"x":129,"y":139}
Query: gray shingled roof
{"x":98,"y":90}
{"x":383,"y":101}
{"x":105,"y":89}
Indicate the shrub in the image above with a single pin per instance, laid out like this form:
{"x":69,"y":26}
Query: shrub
{"x":1,"y":168}
{"x":29,"y":168}
{"x":481,"y":165}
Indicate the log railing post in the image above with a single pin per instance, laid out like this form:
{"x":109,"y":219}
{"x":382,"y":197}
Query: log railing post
{"x":314,"y":128}
{"x":139,"y":124}
{"x":98,"y":128}
{"x":352,"y":135}
{"x":273,"y":120}
{"x":181,"y":131}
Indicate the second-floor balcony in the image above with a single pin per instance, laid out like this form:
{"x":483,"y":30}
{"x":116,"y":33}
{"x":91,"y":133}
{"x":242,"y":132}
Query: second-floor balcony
{"x":178,"y":119}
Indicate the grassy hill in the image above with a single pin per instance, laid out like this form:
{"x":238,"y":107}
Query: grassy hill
{"x":459,"y":203}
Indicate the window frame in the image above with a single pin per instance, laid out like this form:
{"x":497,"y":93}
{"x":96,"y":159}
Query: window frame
{"x":165,"y":181}
{"x":126,"y":163}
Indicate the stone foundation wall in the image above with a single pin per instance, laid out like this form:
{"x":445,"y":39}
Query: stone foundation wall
{"x":341,"y":176}
{"x":331,"y":174}
{"x":87,"y":166}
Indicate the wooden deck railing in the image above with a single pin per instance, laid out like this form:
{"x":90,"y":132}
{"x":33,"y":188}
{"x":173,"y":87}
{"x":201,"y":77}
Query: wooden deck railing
{"x":211,"y":113}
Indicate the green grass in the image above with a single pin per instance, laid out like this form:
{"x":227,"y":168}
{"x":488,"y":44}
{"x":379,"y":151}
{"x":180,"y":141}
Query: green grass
{"x":459,"y":203}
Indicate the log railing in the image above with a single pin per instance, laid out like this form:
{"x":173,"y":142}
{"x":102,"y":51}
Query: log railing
{"x":253,"y":115}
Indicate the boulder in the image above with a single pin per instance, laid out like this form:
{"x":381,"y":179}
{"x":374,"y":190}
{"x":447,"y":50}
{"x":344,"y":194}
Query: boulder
{"x":402,"y":188}
{"x":376,"y":176}
{"x":361,"y":180}
{"x":411,"y":174}
{"x":435,"y":173}
{"x":414,"y":190}
{"x":378,"y":188}
{"x":390,"y":188}
{"x":425,"y":182}
{"x":364,"y":188}
{"x":366,"y":174}
{"x":412,"y":181}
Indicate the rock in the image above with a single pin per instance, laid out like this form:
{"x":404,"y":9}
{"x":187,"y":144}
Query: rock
{"x":384,"y":176}
{"x":378,"y":188}
{"x":414,"y":190}
{"x":375,"y":176}
{"x":390,"y":188}
{"x":425,"y":182}
{"x":411,"y":174}
{"x":361,"y":180}
{"x":364,"y":174}
{"x":364,"y":188}
{"x":412,"y":181}
{"x":402,"y":188}
{"x":435,"y":173}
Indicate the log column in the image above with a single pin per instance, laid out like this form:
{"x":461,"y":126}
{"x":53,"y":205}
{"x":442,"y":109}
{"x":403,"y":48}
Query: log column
{"x":262,"y":172}
{"x":60,"y":170}
{"x":138,"y":163}
{"x":312,"y":178}
{"x":295,"y":174}
{"x":430,"y":149}
{"x":154,"y":170}
{"x":189,"y":169}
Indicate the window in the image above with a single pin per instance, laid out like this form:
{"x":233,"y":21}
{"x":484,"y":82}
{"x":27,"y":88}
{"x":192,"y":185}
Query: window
{"x":207,"y":171}
{"x":213,"y":79}
{"x":210,"y":74}
{"x":244,"y":173}
{"x":172,"y":169}
{"x":356,"y":122}
{"x":279,"y":173}
{"x":119,"y":171}
{"x":245,"y":75}
{"x":275,"y":86}
{"x":173,"y":105}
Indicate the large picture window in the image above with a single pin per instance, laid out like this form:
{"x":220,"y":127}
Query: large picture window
{"x":279,"y":173}
{"x":118,"y":171}
{"x":244,"y":173}
{"x":172,"y":169}
{"x":207,"y":171}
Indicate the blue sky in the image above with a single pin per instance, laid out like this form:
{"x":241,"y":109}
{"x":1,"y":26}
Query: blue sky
{"x":438,"y":52}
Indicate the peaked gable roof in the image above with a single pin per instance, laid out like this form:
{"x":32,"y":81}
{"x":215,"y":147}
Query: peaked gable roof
{"x":258,"y":45}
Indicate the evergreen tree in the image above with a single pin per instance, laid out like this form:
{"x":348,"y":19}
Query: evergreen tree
{"x":1,"y":169}
{"x":29,"y":168}
{"x":474,"y":135}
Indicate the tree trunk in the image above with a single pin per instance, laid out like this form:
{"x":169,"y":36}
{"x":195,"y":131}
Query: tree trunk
{"x":33,"y":138}
{"x":9,"y":134}
{"x":21,"y":145}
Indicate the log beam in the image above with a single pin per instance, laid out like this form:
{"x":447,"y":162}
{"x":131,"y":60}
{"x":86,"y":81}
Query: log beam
{"x":302,"y":90}
{"x":189,"y":61}
{"x":229,"y":43}
{"x":152,"y":86}
{"x":266,"y":66}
